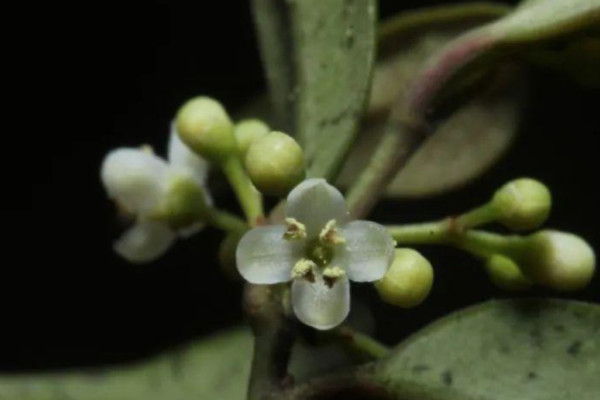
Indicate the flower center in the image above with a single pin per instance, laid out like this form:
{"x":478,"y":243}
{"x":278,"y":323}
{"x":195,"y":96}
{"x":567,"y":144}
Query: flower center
{"x":319,"y":253}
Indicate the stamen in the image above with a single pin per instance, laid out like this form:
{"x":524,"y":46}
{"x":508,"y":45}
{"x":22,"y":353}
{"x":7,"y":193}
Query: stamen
{"x":295,"y":229}
{"x":304,"y":269}
{"x":330,"y":234}
{"x":332,"y":274}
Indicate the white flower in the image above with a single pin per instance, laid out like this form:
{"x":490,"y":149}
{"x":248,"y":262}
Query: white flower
{"x":139,"y":181}
{"x":319,"y":250}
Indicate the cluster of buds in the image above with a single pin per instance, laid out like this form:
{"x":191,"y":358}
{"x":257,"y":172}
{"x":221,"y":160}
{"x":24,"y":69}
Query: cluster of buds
{"x":273,"y":160}
{"x":558,"y":260}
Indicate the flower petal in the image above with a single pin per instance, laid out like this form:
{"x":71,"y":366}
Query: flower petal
{"x":264,"y":257}
{"x":318,"y":305}
{"x":181,"y":157}
{"x":314,"y":202}
{"x":144,"y":242}
{"x":367,"y":253}
{"x":135,"y":178}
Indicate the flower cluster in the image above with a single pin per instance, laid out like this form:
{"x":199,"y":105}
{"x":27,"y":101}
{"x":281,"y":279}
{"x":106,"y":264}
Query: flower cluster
{"x":318,"y":248}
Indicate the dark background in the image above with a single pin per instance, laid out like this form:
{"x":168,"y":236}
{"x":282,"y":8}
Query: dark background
{"x":113,"y":75}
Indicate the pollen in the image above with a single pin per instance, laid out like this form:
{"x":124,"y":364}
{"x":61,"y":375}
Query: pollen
{"x":332,"y":274}
{"x":304,"y":269}
{"x":330,"y":234}
{"x":295,"y":229}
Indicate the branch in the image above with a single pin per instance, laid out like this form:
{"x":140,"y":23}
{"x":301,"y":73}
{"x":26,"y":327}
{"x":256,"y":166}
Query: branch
{"x":273,"y":341}
{"x":407,"y":126}
{"x":360,"y":343}
{"x":355,"y":384}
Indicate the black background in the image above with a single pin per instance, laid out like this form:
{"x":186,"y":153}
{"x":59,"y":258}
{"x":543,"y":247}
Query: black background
{"x":112,"y":75}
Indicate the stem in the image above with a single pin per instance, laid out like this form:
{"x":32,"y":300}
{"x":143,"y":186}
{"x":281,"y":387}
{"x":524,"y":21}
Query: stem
{"x":249,"y":198}
{"x":484,"y":244}
{"x":479,"y":243}
{"x":401,"y":138}
{"x":273,"y":340}
{"x":360,"y":342}
{"x":355,"y":384}
{"x":422,"y":233}
{"x":479,"y":216}
{"x":406,"y":128}
{"x":226,"y":221}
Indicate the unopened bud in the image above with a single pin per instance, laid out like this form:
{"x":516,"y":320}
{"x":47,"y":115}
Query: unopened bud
{"x":408,"y":281}
{"x":559,"y":260}
{"x":522,"y":204}
{"x":505,"y":273}
{"x":247,"y":131}
{"x":275,"y":163}
{"x":204,"y":126}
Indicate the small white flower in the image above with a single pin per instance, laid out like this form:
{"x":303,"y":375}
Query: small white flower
{"x":319,"y":250}
{"x":138,"y":181}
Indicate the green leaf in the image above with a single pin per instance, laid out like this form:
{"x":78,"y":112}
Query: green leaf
{"x":501,"y":350}
{"x":532,"y":25}
{"x":470,"y":140}
{"x":215,"y":368}
{"x":536,"y":20}
{"x":456,"y":67}
{"x":318,"y":56}
{"x":463,"y":147}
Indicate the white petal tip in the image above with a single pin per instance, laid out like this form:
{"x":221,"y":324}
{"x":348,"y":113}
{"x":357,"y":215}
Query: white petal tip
{"x":144,"y":242}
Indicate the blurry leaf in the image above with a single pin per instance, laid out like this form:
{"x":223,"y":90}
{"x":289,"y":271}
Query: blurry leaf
{"x":463,"y":147}
{"x":502,"y":350}
{"x":531,"y":26}
{"x":318,"y":56}
{"x":469,"y":141}
{"x":438,"y":79}
{"x":536,"y":20}
{"x":272,"y":22}
{"x":406,"y":41}
{"x":215,"y":368}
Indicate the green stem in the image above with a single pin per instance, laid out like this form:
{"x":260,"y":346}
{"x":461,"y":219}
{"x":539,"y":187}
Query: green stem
{"x":479,"y":243}
{"x":479,"y":216}
{"x":249,"y":198}
{"x":360,"y":342}
{"x":421,"y":233}
{"x":226,"y":221}
{"x":273,"y":340}
{"x":401,"y":138}
{"x":484,"y":244}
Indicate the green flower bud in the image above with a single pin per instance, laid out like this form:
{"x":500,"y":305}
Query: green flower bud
{"x":408,"y":281}
{"x":184,"y":204}
{"x":559,"y":260}
{"x":522,"y":204}
{"x":505,"y":273}
{"x":204,"y":126}
{"x":247,"y":131}
{"x":275,"y":163}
